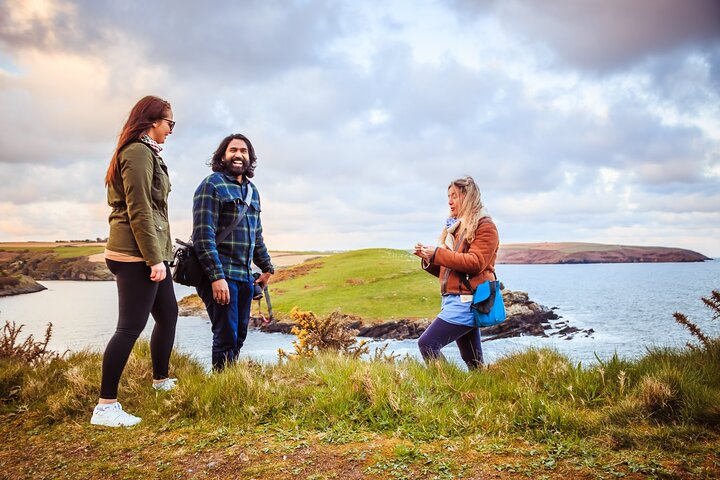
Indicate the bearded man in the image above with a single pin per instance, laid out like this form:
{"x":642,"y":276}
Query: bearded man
{"x":228,"y":202}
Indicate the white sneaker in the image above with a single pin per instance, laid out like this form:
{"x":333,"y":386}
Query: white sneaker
{"x":166,"y":385}
{"x":112,"y":415}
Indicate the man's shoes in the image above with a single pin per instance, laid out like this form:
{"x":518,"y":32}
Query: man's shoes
{"x":112,"y":415}
{"x":166,"y":385}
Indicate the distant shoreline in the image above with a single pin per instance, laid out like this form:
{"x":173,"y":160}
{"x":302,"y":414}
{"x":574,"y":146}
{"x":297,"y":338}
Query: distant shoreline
{"x":582,"y":253}
{"x":85,"y":261}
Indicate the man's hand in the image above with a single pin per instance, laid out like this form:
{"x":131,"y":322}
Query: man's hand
{"x":158,"y":272}
{"x":221,"y":292}
{"x":263,"y":279}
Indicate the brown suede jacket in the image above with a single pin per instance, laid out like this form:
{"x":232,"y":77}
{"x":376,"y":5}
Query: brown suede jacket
{"x":477,"y":260}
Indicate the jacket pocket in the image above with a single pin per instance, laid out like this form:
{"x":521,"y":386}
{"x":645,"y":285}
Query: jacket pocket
{"x":160,"y":184}
{"x":161,"y":224}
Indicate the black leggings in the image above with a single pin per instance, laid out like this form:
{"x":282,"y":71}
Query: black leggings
{"x":138,"y":296}
{"x":440,"y":333}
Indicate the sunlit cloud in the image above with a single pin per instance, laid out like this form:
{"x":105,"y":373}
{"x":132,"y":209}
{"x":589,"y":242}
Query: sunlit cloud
{"x":579,"y":124}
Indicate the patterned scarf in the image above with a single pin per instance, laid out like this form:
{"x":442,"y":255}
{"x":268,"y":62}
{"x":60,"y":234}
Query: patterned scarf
{"x":151,"y":143}
{"x":452,"y":224}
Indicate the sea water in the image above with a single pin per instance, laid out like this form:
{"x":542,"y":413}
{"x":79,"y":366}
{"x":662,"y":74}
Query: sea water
{"x":628,"y":307}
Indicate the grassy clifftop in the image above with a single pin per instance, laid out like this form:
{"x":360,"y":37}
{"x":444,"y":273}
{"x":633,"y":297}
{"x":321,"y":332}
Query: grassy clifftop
{"x":372,"y":283}
{"x":323,"y":415}
{"x":53,"y":262}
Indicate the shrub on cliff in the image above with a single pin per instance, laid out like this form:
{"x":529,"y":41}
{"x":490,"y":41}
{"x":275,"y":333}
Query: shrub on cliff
{"x":29,"y":351}
{"x":326,"y":334}
{"x":713,"y":303}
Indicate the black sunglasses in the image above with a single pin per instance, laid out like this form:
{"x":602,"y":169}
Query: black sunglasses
{"x":170,"y":123}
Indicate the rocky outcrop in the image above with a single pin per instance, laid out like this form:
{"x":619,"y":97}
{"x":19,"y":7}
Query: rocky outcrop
{"x":48,"y":266}
{"x":525,"y":317}
{"x":545,"y":253}
{"x":18,"y":284}
{"x":191,"y":306}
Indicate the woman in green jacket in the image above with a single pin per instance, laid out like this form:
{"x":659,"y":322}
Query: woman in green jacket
{"x":138,"y":252}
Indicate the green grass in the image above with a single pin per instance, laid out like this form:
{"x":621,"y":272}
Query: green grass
{"x":65,"y":251}
{"x":530,"y":414}
{"x":371,"y":283}
{"x":74,"y":252}
{"x":307,"y":252}
{"x":22,"y":249}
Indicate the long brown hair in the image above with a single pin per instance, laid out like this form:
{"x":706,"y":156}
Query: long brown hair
{"x":147,"y":110}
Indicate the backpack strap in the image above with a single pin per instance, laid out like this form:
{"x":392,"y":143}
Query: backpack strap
{"x":225,"y":232}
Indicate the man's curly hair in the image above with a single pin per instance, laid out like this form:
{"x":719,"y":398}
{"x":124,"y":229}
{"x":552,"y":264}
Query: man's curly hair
{"x":216,"y":163}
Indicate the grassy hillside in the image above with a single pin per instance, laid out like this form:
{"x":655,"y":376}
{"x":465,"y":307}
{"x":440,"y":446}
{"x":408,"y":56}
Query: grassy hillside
{"x":530,"y":415}
{"x":373,"y":283}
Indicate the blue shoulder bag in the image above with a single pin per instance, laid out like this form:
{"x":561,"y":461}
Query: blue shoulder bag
{"x":487,"y":304}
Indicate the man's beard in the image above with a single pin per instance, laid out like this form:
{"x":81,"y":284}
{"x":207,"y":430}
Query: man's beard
{"x":235,"y":168}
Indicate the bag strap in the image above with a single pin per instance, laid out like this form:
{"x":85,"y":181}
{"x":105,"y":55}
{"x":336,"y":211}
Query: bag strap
{"x":225,"y":232}
{"x":466,"y":280}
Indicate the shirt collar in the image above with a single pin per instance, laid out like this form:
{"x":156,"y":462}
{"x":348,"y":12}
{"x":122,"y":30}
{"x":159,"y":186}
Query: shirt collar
{"x":234,"y":179}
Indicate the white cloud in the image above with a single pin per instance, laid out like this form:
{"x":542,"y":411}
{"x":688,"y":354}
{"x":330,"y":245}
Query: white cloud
{"x":361,"y":114}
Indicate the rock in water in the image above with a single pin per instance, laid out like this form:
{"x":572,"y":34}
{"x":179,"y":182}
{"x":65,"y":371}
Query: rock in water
{"x":18,"y":284}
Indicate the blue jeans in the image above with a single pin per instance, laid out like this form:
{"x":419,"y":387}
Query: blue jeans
{"x":229,"y":322}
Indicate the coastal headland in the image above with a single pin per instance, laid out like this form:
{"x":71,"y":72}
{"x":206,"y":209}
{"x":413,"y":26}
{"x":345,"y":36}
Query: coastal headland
{"x":577,"y":252}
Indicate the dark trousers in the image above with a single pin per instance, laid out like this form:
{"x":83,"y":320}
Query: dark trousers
{"x":138,"y":297}
{"x":441,"y":333}
{"x":229,"y":322}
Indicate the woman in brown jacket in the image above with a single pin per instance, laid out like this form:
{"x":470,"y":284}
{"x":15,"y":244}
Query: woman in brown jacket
{"x":468,"y":248}
{"x":137,"y":252}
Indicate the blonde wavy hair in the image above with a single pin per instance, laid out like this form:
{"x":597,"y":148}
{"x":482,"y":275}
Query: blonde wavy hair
{"x":470,"y":211}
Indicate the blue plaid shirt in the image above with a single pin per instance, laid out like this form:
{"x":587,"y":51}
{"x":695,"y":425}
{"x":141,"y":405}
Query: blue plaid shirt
{"x":218,"y":199}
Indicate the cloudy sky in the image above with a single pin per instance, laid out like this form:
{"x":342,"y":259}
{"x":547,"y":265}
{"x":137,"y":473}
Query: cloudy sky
{"x":581,"y":120}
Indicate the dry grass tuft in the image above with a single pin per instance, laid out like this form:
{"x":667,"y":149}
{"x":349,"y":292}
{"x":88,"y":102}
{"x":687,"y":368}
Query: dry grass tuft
{"x":713,"y":303}
{"x":29,"y":351}
{"x":655,"y":396}
{"x":694,"y":330}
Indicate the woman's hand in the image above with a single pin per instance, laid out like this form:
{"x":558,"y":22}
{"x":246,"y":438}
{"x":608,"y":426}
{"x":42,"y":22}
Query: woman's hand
{"x":158,"y":272}
{"x":425,"y":252}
